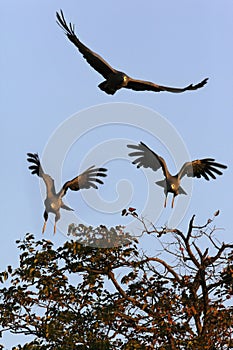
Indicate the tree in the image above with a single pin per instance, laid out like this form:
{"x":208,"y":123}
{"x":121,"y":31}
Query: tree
{"x":83,"y":296}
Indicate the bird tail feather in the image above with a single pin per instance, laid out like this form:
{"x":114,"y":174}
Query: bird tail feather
{"x":63,"y":206}
{"x":106,"y":88}
{"x":181,"y":190}
{"x":161,"y":183}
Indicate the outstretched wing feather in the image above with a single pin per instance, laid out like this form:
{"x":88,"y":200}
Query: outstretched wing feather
{"x":147,"y":158}
{"x":95,"y":60}
{"x":201,"y":168}
{"x":141,"y":85}
{"x":37,"y":169}
{"x":86,"y":180}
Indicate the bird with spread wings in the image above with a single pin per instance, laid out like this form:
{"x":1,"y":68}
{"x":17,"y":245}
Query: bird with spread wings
{"x":114,"y":79}
{"x":53,"y":202}
{"x":206,"y":168}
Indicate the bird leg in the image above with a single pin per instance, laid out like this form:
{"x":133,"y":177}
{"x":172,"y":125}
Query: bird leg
{"x":165,"y":202}
{"x":45,"y":221}
{"x":57,"y":217}
{"x":44,"y":227}
{"x":173,"y":201}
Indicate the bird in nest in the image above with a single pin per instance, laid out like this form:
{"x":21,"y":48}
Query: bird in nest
{"x":114,"y":79}
{"x":206,"y":168}
{"x":53,"y":202}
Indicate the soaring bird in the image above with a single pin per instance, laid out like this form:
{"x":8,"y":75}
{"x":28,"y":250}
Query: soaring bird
{"x":53,"y":201}
{"x":206,"y":168}
{"x":114,"y":79}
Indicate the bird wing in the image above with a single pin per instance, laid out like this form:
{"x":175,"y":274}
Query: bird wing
{"x":206,"y":168}
{"x":141,"y":85}
{"x":37,"y":169}
{"x":147,"y":158}
{"x":85,"y":180}
{"x":95,"y":60}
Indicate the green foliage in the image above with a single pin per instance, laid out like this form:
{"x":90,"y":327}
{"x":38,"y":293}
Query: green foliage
{"x":106,"y":295}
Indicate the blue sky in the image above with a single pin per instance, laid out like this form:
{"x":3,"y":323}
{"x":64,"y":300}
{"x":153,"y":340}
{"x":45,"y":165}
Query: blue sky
{"x":45,"y":81}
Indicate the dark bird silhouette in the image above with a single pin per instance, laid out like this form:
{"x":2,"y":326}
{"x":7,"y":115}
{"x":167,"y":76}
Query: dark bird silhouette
{"x":114,"y":79}
{"x":197,"y":168}
{"x":53,"y":201}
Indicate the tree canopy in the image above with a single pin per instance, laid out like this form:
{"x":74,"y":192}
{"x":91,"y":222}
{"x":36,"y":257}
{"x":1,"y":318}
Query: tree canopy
{"x":100,"y":290}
